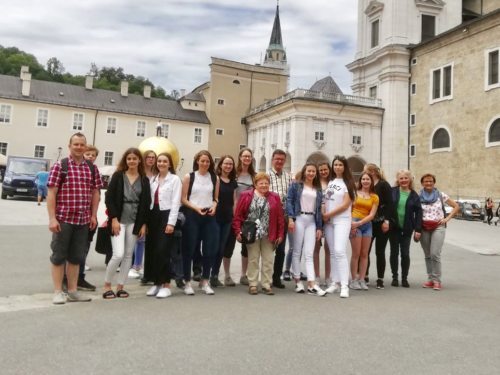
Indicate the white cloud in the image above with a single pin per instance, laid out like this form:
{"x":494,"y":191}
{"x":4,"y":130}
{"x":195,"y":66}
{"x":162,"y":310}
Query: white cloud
{"x":171,"y":41}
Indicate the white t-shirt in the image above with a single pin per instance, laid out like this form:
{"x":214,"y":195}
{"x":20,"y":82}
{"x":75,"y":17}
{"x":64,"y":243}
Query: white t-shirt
{"x":308,"y":199}
{"x":202,"y":190}
{"x":333,"y":197}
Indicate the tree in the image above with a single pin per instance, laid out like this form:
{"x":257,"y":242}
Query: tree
{"x":55,"y":67}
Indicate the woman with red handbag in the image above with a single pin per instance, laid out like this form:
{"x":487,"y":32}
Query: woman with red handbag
{"x":434,"y":221}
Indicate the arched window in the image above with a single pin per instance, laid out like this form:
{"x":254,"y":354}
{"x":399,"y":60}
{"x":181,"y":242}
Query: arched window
{"x":494,"y":132}
{"x":236,"y":82}
{"x":441,"y":139}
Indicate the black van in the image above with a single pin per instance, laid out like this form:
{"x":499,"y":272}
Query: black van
{"x":19,"y":178}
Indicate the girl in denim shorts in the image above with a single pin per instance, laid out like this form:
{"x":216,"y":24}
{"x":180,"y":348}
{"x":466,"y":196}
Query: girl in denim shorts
{"x":364,"y":209}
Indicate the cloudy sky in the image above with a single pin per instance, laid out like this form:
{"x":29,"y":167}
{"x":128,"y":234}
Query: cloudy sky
{"x":171,"y":41}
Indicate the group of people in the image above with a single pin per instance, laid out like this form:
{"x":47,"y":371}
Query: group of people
{"x":177,"y":224}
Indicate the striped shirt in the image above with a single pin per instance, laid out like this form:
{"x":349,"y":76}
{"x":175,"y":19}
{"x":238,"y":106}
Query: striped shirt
{"x":74,"y":196}
{"x":280,"y":183}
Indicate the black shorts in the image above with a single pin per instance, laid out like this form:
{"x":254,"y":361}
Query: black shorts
{"x":70,"y":244}
{"x":231,"y":243}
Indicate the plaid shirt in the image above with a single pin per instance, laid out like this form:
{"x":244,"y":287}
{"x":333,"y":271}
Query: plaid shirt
{"x":280,"y":184}
{"x":74,"y":196}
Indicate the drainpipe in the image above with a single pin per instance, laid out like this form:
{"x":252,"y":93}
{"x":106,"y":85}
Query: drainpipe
{"x":408,"y":118}
{"x":95,"y":127}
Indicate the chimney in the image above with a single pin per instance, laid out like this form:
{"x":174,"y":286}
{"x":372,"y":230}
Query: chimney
{"x":26,"y":83}
{"x":182,"y":92}
{"x":24,"y":69}
{"x":89,"y":82}
{"x":147,"y":91}
{"x":124,"y":88}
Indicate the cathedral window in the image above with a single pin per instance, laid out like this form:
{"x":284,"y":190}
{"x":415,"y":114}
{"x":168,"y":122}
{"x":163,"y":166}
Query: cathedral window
{"x":441,"y":140}
{"x":375,"y":33}
{"x":442,"y":83}
{"x":492,"y":65}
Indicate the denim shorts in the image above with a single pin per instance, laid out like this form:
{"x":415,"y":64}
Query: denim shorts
{"x":365,"y":230}
{"x":42,"y":191}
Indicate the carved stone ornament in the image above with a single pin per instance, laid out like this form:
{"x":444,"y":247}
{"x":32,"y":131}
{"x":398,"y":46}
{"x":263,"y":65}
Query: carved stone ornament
{"x":373,"y":8}
{"x":356,"y":148}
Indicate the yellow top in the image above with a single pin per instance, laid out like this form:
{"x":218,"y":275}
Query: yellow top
{"x":362,"y":206}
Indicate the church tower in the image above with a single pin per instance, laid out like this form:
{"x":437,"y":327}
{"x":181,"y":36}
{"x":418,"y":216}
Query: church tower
{"x":275,"y":53}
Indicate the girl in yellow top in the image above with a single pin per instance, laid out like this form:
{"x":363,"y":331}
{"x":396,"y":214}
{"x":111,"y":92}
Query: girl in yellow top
{"x":364,"y":209}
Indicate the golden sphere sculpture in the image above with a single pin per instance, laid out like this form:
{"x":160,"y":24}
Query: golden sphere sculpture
{"x":159,"y":145}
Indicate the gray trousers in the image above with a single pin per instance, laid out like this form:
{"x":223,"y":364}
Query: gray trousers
{"x":432,"y":244}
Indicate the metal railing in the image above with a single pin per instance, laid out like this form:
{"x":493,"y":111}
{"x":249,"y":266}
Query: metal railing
{"x":327,"y":97}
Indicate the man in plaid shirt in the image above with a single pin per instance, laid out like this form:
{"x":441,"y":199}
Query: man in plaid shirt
{"x":280,"y":181}
{"x":72,"y":202}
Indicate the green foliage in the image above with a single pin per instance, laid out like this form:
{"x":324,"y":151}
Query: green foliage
{"x":106,"y":78}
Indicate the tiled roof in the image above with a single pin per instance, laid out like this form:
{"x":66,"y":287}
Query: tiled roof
{"x":326,"y":85}
{"x":97,"y":99}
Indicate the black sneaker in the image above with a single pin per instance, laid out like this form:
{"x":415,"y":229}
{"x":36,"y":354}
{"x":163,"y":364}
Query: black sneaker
{"x":287,"y":276}
{"x":367,"y":280}
{"x":278,"y":284}
{"x":180,"y":283}
{"x":404,"y":283}
{"x":395,"y":282}
{"x":85,"y":285}
{"x":380,"y":284}
{"x":214,"y":282}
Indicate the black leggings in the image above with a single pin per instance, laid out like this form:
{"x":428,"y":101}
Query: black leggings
{"x":380,"y":238}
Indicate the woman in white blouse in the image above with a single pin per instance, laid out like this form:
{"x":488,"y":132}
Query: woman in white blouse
{"x":166,"y":190}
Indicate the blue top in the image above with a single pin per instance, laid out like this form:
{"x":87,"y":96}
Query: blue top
{"x":293,"y":203}
{"x":42,"y":178}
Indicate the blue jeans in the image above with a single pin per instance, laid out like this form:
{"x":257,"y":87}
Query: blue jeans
{"x":203,"y":228}
{"x":224,"y":230}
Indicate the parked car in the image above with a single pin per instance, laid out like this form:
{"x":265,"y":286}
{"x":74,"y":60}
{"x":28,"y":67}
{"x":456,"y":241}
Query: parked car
{"x":20,"y":173}
{"x":469,"y":211}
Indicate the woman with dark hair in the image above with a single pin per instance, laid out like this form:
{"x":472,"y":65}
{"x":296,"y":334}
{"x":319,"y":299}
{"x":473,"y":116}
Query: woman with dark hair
{"x":200,"y":195}
{"x":150,"y":170}
{"x":406,"y":218}
{"x":264,"y":208}
{"x":303,"y":208}
{"x":363,"y":211}
{"x":338,"y":199}
{"x":127,"y":202}
{"x":245,"y":174}
{"x":227,"y":194}
{"x":434,"y":223}
{"x":380,"y":222}
{"x":166,"y":190}
{"x":325,"y":173}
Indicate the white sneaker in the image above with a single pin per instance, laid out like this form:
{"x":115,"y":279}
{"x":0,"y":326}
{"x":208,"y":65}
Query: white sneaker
{"x":207,"y":289}
{"x":153,"y":291}
{"x":133,"y":274}
{"x":316,"y":291}
{"x":344,"y":292}
{"x":59,"y":298}
{"x":164,"y":293}
{"x":355,"y":284}
{"x":188,"y":290}
{"x":299,"y":288}
{"x":363,"y":285}
{"x":333,"y":288}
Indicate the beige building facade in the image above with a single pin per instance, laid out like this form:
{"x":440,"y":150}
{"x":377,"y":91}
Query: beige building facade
{"x":233,"y":90}
{"x":37,"y":119}
{"x":455,"y":112}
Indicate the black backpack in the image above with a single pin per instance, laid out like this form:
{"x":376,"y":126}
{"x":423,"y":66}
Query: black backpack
{"x":64,"y":170}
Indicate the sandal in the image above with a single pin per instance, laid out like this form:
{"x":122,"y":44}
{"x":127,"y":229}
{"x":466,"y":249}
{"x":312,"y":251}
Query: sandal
{"x":268,"y":291}
{"x":122,"y":294}
{"x":109,"y":294}
{"x":253,"y":290}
